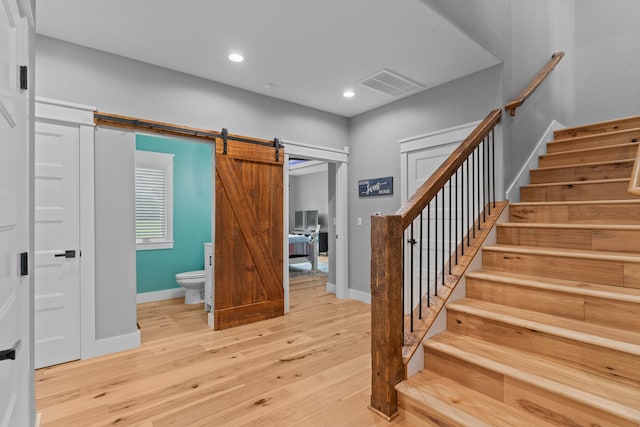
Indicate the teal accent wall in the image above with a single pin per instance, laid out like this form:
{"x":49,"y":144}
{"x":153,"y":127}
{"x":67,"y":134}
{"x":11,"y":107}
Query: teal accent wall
{"x":192,"y":195}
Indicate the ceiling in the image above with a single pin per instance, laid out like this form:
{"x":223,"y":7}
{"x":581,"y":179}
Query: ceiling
{"x":310,"y":51}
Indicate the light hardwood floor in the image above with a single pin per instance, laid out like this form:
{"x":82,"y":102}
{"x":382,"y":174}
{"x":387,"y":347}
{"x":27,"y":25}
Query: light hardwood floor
{"x":308,"y":368}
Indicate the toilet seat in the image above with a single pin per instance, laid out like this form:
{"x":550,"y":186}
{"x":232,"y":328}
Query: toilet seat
{"x":190,"y":276}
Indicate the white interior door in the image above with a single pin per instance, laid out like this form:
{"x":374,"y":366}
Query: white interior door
{"x":421,"y":164}
{"x":57,"y":277}
{"x":16,"y":393}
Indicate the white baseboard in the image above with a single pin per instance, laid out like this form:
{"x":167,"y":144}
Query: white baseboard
{"x":513,"y":191}
{"x":330,"y":287}
{"x":114,"y":344}
{"x":38,"y":419}
{"x":159,"y":295}
{"x":360,"y":296}
{"x":353,"y":293}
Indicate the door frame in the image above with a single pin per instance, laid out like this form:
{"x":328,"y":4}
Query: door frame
{"x":81,"y":116}
{"x":425,"y":141}
{"x":341,"y":159}
{"x":418,"y":143}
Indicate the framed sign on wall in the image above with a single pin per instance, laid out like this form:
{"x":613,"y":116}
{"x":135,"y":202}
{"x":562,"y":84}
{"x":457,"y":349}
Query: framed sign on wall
{"x":375,"y":187}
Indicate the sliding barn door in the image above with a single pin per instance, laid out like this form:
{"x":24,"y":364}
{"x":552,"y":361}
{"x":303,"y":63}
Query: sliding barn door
{"x":249,"y":234}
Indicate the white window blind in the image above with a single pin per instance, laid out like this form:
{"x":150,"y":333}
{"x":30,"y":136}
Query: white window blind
{"x":154,"y":185}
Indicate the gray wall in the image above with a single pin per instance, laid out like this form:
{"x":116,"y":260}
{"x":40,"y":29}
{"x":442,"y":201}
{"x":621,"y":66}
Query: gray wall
{"x":375,"y":149}
{"x":115,"y":233}
{"x":311,"y":192}
{"x":119,"y":85}
{"x":607,"y":43}
{"x":523,"y":34}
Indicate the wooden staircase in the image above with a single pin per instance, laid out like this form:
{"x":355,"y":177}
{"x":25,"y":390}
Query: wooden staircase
{"x":549,"y":331}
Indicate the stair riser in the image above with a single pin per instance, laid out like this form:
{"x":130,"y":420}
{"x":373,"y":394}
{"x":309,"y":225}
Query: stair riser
{"x":418,"y":415}
{"x":597,"y":141}
{"x":571,"y":238}
{"x":582,"y":173}
{"x":590,"y":156}
{"x":610,"y":363}
{"x":601,"y":271}
{"x":610,"y":126}
{"x":616,"y":190}
{"x":552,"y":407}
{"x":602,"y":311}
{"x":577,"y":214}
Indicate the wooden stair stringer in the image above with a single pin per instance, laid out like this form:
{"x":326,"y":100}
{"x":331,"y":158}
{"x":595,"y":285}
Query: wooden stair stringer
{"x":431,"y":310}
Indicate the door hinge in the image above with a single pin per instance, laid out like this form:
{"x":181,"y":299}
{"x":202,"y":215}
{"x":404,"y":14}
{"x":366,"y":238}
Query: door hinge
{"x":24,"y":77}
{"x":24,"y":264}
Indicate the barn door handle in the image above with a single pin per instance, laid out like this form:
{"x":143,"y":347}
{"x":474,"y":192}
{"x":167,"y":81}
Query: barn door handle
{"x":67,"y":254}
{"x":10,"y":354}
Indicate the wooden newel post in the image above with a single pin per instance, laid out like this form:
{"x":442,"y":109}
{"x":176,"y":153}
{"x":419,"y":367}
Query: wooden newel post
{"x":386,"y":313}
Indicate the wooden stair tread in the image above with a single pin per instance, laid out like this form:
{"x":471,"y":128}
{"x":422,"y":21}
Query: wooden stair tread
{"x":607,"y":162}
{"x":591,"y":182}
{"x":541,"y":371}
{"x":571,"y":253}
{"x":589,"y":150}
{"x":623,"y":227}
{"x":462,"y":405}
{"x":617,"y":293}
{"x":587,"y":139}
{"x":597,"y":335}
{"x":599,"y":127}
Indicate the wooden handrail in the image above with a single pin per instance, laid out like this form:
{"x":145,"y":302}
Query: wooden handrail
{"x":634,"y":183}
{"x":387,"y":277}
{"x":419,"y":200}
{"x":539,"y":78}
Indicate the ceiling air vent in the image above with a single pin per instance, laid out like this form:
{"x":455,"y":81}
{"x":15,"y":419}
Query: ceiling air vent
{"x":390,"y":83}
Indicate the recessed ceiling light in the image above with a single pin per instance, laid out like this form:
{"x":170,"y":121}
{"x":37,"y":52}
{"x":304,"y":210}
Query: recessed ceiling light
{"x":268,"y":85}
{"x":348,"y":94}
{"x":236,"y":57}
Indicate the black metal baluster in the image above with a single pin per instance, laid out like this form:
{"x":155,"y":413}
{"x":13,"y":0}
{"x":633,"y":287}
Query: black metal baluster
{"x":435,"y":250}
{"x":403,"y":287}
{"x":468,"y":206}
{"x":462,"y":209}
{"x":484,"y":180}
{"x":412,"y":242}
{"x":493,"y":166}
{"x":420,"y":272}
{"x":487,"y":173}
{"x":473,"y":192}
{"x":443,"y":236}
{"x":455,"y":243}
{"x":429,"y":255}
{"x":450,"y":235}
{"x":477,"y":157}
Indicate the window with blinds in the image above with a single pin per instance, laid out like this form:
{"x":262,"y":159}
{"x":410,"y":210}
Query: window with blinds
{"x":154,"y":201}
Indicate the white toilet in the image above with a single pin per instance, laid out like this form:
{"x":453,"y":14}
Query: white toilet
{"x":193,"y":284}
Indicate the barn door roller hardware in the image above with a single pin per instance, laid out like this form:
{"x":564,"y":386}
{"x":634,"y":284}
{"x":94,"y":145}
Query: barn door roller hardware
{"x":277,"y":145}
{"x":133,"y":123}
{"x":225,"y":139}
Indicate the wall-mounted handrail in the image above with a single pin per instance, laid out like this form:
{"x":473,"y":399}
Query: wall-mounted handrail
{"x":538,"y":79}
